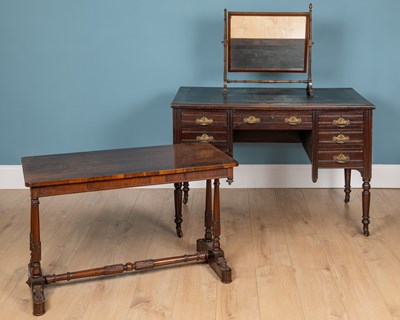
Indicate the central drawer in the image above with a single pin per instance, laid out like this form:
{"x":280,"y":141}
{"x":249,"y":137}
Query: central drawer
{"x":268,"y":120}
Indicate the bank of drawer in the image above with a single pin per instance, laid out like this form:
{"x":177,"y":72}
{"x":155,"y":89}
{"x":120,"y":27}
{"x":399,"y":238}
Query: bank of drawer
{"x":215,"y":137}
{"x":272,"y":121}
{"x":207,"y":119}
{"x":340,"y":139}
{"x":341,"y":121}
{"x":340,"y":158}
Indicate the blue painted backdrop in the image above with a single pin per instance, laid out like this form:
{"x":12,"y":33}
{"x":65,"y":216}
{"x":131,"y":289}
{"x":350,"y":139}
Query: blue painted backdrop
{"x":94,"y":74}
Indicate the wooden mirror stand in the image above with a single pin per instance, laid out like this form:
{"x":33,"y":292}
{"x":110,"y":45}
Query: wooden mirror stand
{"x":268,"y":42}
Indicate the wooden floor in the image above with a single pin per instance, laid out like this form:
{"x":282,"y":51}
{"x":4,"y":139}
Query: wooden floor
{"x":295,"y":254}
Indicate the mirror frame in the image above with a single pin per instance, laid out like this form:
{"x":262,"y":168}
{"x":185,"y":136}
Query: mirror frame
{"x":307,"y":50}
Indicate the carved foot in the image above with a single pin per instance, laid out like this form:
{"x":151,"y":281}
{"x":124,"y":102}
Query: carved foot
{"x":38,"y":300}
{"x":221,"y":268}
{"x":216,"y":260}
{"x":36,"y":283}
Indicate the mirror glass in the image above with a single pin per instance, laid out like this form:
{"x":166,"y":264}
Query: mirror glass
{"x":267,"y":42}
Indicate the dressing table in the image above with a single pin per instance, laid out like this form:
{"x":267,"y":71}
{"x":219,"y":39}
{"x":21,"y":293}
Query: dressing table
{"x":334,"y":125}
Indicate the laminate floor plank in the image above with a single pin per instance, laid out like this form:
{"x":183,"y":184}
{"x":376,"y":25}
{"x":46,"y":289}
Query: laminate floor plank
{"x":154,"y":294}
{"x":295,"y":254}
{"x":278,"y":295}
{"x":77,"y":244}
{"x":113,"y":294}
{"x":315,"y":281}
{"x":48,"y":207}
{"x":382,"y":252}
{"x":197,"y":286}
{"x":359,"y":292}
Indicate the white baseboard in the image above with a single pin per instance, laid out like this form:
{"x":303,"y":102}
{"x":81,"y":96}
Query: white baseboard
{"x":11,"y":177}
{"x":262,"y":176}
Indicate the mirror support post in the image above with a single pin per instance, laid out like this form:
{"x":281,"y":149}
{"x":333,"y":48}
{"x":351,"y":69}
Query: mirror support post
{"x":310,"y":44}
{"x":225,"y":43}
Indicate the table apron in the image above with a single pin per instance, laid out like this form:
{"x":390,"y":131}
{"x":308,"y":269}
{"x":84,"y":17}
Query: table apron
{"x":53,"y":190}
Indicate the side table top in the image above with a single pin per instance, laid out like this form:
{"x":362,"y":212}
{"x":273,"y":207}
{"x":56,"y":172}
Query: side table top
{"x":116,"y":164}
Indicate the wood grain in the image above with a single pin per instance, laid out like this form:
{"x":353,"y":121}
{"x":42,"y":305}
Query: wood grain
{"x":296,"y":254}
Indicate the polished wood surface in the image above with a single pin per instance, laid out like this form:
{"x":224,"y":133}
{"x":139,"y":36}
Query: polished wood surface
{"x":121,"y":164}
{"x":289,"y":260}
{"x":112,"y":169}
{"x":334,"y":125}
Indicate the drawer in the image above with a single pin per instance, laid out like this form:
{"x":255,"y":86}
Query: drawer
{"x":341,"y":121}
{"x":204,"y":119}
{"x":267,"y":120}
{"x":340,"y":158}
{"x":340,"y":139}
{"x":215,"y":137}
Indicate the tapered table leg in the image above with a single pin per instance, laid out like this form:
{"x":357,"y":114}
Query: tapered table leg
{"x":178,"y":208}
{"x":366,"y":197}
{"x":347,"y":187}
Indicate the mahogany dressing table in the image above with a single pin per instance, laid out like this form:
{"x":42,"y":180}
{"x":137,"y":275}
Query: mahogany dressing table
{"x":333,"y":125}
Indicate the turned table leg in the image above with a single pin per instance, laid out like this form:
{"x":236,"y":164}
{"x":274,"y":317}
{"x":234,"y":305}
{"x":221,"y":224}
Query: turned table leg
{"x":186,"y":192}
{"x":211,"y":243}
{"x":208,"y":220}
{"x":347,"y":187}
{"x":36,"y":280}
{"x":366,"y":197}
{"x":178,"y":208}
{"x":216,"y":217}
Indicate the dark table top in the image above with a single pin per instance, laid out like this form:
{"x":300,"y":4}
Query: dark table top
{"x":204,"y":97}
{"x":122,"y":163}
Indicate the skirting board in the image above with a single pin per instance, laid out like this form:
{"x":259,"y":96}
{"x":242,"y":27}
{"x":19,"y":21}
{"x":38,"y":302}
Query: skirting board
{"x":262,"y":176}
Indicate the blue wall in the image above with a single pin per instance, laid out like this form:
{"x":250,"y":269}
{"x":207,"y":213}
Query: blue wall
{"x":94,"y":74}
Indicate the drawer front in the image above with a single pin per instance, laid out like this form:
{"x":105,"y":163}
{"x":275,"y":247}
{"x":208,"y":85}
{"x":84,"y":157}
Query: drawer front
{"x":214,"y":137}
{"x":341,"y":121}
{"x":340,"y":139}
{"x":218,"y":139}
{"x":340,"y":158}
{"x":248,"y":120}
{"x":207,"y":120}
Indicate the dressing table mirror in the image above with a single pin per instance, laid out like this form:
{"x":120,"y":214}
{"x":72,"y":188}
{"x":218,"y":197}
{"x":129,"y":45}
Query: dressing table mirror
{"x":268,"y":42}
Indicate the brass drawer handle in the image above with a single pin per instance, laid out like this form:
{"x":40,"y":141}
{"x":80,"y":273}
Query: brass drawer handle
{"x":251,"y":120}
{"x":204,"y":138}
{"x":341,"y":158}
{"x":341,"y":139}
{"x":204,"y":121}
{"x":341,"y":122}
{"x":293,"y":121}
